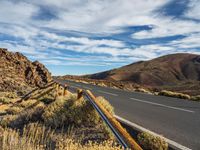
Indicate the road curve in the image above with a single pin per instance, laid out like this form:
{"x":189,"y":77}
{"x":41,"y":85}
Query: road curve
{"x":175,"y":119}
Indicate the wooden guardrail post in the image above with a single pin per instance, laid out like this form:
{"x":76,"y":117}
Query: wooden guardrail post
{"x":130,"y":141}
{"x":65,"y":90}
{"x":79,"y":93}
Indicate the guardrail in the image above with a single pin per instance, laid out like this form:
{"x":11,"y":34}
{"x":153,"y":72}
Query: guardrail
{"x":120,"y":133}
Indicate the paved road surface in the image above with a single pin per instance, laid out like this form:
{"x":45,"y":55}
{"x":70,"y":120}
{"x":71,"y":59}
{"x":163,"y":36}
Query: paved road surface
{"x":176,"y":119}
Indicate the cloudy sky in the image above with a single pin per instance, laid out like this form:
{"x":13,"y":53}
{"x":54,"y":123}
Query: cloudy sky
{"x":87,"y":36}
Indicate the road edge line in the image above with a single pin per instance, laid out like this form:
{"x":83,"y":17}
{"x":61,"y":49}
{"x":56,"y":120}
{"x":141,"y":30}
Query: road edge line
{"x":137,"y":127}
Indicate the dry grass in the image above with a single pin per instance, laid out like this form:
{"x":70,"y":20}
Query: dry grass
{"x":11,"y":95}
{"x":70,"y":111}
{"x":151,"y":142}
{"x":38,"y":137}
{"x":195,"y":98}
{"x":174,"y":94}
{"x":143,"y":90}
{"x":24,"y":117}
{"x":105,"y":104}
{"x":7,"y":97}
{"x":14,"y":110}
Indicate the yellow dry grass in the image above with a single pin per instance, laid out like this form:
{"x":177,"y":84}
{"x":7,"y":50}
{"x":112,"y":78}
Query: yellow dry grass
{"x":38,"y":137}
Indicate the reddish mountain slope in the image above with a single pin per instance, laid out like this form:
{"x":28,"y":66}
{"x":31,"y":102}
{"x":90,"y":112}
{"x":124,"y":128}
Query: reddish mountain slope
{"x":175,"y":71}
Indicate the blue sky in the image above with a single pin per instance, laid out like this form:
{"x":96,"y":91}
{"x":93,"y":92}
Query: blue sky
{"x":83,"y":36}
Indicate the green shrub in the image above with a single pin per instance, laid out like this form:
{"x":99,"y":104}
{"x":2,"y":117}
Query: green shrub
{"x":195,"y":98}
{"x":174,"y":94}
{"x":151,"y":142}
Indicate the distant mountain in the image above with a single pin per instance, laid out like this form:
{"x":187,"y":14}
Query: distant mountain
{"x":179,"y":72}
{"x":18,"y":73}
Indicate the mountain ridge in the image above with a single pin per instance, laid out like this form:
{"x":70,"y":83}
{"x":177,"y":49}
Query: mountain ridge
{"x":173,"y":72}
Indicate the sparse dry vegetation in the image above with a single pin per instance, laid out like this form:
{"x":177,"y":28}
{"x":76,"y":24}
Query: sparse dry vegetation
{"x":195,"y":98}
{"x":38,"y":137}
{"x":27,"y":124}
{"x":7,"y":97}
{"x":151,"y":142}
{"x":174,"y":94}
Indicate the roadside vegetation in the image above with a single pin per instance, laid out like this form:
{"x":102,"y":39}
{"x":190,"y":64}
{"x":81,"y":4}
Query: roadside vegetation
{"x":149,"y":141}
{"x":46,"y":123}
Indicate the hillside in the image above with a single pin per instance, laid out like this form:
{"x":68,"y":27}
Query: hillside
{"x":17,"y":73}
{"x":178,"y":72}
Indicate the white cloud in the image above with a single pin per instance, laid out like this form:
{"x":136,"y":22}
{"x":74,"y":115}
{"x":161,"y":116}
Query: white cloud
{"x":191,"y":41}
{"x":194,"y":11}
{"x":168,"y":27}
{"x":16,"y":13}
{"x":103,"y":17}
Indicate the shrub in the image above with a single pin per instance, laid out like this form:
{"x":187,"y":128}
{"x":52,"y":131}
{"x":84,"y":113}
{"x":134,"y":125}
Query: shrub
{"x":151,"y":142}
{"x":142,"y":90}
{"x":105,"y":104}
{"x":14,"y":110}
{"x":69,"y":110}
{"x":5,"y":100}
{"x":174,"y":94}
{"x":6,"y":120}
{"x":8,"y":94}
{"x":27,"y":103}
{"x":195,"y":98}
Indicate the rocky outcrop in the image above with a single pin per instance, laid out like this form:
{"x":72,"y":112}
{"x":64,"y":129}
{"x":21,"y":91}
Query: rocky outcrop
{"x":18,"y":73}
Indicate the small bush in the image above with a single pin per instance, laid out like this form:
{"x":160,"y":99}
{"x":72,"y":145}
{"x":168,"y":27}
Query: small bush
{"x":105,"y":104}
{"x":68,"y":111}
{"x":195,"y":98}
{"x":5,"y":100}
{"x":151,"y":142}
{"x":27,"y":103}
{"x":174,"y":94}
{"x":14,"y":110}
{"x":8,"y":94}
{"x":142,"y":90}
{"x":6,"y":120}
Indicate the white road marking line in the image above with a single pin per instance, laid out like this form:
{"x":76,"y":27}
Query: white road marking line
{"x":162,"y":105}
{"x":142,"y":129}
{"x":107,"y":93}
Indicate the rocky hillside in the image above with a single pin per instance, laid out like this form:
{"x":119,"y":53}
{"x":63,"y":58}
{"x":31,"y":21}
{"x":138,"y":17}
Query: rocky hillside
{"x":179,"y":72}
{"x":19,"y":74}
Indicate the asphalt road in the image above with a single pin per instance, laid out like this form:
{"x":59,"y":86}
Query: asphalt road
{"x":175,"y":119}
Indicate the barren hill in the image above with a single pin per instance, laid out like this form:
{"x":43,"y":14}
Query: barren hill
{"x":178,"y":72}
{"x":18,"y":73}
